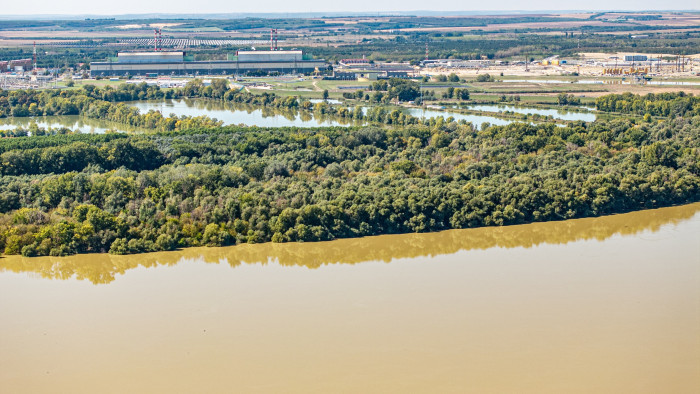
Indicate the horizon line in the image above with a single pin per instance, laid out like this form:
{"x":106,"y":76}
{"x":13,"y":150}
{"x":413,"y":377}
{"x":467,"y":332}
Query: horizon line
{"x":233,"y":15}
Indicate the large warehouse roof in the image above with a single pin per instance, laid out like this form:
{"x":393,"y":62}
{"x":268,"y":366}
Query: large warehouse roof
{"x":173,"y":63}
{"x":150,"y":57}
{"x":270,"y":56}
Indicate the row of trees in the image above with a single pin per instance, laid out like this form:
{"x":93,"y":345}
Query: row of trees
{"x":659,"y":104}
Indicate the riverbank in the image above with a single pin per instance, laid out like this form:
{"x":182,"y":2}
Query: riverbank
{"x":104,"y":268}
{"x":225,"y":185}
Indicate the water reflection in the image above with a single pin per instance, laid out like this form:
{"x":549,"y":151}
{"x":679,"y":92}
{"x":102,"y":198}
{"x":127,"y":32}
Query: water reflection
{"x":235,"y":113}
{"x":555,"y":113}
{"x":476,"y":120}
{"x":103,"y":268}
{"x":72,"y":122}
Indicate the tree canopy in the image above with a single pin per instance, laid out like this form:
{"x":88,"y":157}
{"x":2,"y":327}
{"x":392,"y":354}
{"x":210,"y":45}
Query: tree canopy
{"x":135,"y":193}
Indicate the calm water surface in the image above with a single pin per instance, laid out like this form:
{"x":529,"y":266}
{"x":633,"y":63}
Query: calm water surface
{"x":236,"y":114}
{"x":605,"y":305}
{"x":73,"y":122}
{"x":269,"y":117}
{"x":476,"y":120}
{"x":556,"y":114}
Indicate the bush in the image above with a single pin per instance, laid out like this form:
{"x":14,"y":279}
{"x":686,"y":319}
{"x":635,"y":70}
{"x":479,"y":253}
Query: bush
{"x":484,"y":78}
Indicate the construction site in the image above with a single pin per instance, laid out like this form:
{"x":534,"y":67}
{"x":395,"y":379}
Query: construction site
{"x":585,"y":64}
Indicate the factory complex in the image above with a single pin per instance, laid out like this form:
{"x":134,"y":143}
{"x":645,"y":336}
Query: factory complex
{"x":158,"y":63}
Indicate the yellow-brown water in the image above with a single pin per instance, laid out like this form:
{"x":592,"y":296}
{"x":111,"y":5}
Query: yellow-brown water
{"x":608,"y":304}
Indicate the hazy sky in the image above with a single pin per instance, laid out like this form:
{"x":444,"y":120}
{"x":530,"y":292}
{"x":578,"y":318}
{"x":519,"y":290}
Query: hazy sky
{"x":10,"y":7}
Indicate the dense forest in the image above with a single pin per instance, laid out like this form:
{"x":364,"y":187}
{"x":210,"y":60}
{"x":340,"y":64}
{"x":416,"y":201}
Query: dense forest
{"x":661,"y":104}
{"x":203,"y":184}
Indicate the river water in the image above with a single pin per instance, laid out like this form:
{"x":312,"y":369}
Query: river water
{"x":601,"y":305}
{"x":476,"y":120}
{"x":556,"y":114}
{"x":72,"y":122}
{"x":228,"y":113}
{"x":232,"y":114}
{"x":268,"y":117}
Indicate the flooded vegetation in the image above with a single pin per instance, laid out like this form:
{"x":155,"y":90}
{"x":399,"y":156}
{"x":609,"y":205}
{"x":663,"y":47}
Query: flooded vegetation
{"x":501,"y":114}
{"x":250,"y":115}
{"x":476,"y":120}
{"x":237,"y":114}
{"x":75,"y":123}
{"x":554,"y":113}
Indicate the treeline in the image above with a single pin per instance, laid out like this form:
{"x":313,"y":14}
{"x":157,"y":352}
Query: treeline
{"x":138,"y":193}
{"x":492,"y":45}
{"x":659,"y":104}
{"x":98,"y":103}
{"x":92,"y":102}
{"x":35,"y":130}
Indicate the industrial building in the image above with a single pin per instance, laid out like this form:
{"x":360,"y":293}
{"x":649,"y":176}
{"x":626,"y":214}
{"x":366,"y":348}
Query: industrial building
{"x":372,"y":75}
{"x":455,"y":63}
{"x":16,"y":65}
{"x":636,"y":58}
{"x":362,"y":70}
{"x":176,"y":63}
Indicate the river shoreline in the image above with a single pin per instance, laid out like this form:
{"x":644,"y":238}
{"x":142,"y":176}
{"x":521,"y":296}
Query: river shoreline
{"x":371,"y":248}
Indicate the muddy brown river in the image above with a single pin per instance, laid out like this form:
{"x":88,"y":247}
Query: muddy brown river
{"x":601,"y":305}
